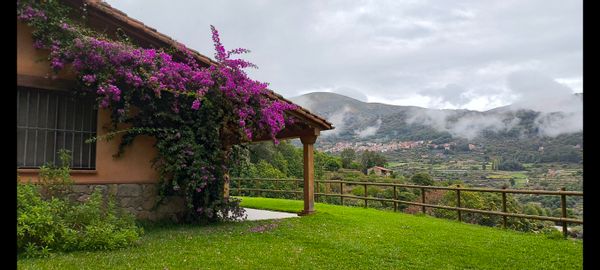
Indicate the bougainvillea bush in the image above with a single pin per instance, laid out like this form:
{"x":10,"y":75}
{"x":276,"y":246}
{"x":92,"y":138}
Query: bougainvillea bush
{"x":195,"y":112}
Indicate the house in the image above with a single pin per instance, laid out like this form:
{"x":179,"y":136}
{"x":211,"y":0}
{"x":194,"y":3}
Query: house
{"x":49,"y":119}
{"x":447,"y":146}
{"x":379,"y":171}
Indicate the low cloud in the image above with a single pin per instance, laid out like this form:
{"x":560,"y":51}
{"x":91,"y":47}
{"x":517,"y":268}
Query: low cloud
{"x":560,"y":110}
{"x":468,"y":126}
{"x":338,"y":119}
{"x":554,"y":124}
{"x":368,"y":131}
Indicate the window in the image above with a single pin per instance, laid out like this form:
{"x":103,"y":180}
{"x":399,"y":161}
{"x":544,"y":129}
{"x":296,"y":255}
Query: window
{"x":49,"y":120}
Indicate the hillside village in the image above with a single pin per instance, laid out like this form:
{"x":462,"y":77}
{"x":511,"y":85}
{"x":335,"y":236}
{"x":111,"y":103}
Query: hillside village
{"x":388,"y":146}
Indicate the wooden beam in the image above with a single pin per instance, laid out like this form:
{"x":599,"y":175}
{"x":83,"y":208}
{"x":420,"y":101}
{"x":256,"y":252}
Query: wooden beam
{"x":309,"y":174}
{"x":291,"y":133}
{"x":45,"y":83}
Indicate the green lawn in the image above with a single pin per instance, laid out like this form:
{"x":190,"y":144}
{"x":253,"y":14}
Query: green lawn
{"x":336,"y":237}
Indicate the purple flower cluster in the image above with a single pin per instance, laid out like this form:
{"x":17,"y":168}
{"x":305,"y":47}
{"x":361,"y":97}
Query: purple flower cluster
{"x":88,"y":79}
{"x":206,"y":177}
{"x":108,"y":91}
{"x":30,"y":13}
{"x":112,"y":69}
{"x":196,"y":104}
{"x":273,"y":118}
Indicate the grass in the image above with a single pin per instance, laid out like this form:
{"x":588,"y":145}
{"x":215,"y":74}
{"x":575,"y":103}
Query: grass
{"x":519,"y":175}
{"x":335,"y":237}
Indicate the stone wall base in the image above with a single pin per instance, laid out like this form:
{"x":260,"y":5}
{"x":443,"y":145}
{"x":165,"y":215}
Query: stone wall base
{"x":138,"y":199}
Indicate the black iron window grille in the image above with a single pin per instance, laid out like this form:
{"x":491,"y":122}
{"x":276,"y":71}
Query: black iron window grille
{"x":50,"y":120}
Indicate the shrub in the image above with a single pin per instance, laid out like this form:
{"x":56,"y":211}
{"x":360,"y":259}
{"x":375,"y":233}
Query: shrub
{"x":39,"y":225}
{"x":375,"y":192}
{"x":56,"y":224}
{"x":48,"y":221}
{"x":358,"y":191}
{"x":56,"y":181}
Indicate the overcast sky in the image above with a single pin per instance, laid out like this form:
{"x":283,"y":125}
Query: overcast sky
{"x":435,"y":54}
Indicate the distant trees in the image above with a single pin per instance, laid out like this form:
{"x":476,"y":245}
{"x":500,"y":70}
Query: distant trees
{"x":444,"y":138}
{"x":285,"y":158}
{"x":348,"y":156}
{"x":510,"y":165}
{"x":369,"y":159}
{"x":462,"y":146}
{"x":423,"y":179}
{"x":333,"y":165}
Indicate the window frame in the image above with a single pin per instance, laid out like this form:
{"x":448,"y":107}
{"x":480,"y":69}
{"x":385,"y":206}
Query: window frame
{"x":84,"y":110}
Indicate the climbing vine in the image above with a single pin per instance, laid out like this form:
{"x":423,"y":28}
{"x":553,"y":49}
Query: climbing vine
{"x":194,"y":112}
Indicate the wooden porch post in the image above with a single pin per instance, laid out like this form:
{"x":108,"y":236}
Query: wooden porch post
{"x":309,"y":174}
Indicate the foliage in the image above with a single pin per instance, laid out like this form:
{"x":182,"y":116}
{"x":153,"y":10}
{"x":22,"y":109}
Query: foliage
{"x":56,"y":181}
{"x":39,"y":225}
{"x":348,"y":156}
{"x":510,"y":165}
{"x":194,"y":112}
{"x":492,"y":202}
{"x":51,"y":222}
{"x":266,"y":170}
{"x":423,"y":179}
{"x":56,"y":224}
{"x":333,"y":165}
{"x":369,"y":159}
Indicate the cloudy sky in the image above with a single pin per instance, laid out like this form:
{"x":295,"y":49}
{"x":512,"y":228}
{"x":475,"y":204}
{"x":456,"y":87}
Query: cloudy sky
{"x":438,"y":54}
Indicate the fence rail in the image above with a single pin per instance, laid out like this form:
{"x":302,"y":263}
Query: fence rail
{"x":504,"y":213}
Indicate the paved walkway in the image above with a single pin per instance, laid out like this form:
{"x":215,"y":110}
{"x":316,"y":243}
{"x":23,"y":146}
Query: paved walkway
{"x":256,"y":214}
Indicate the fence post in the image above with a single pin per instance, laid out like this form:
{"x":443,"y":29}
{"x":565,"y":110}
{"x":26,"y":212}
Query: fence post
{"x":423,"y":200}
{"x":458,"y":203}
{"x":342,"y":193}
{"x":563,"y":205}
{"x":366,"y":195}
{"x":504,"y":207}
{"x":296,"y":188}
{"x":395,"y":199}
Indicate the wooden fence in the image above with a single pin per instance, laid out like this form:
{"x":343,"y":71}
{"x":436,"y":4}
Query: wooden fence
{"x":562,"y":193}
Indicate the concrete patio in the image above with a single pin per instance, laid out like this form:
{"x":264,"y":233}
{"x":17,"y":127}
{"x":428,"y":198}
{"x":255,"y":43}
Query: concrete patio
{"x":256,"y":214}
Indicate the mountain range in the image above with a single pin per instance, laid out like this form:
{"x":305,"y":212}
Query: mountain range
{"x":357,"y":121}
